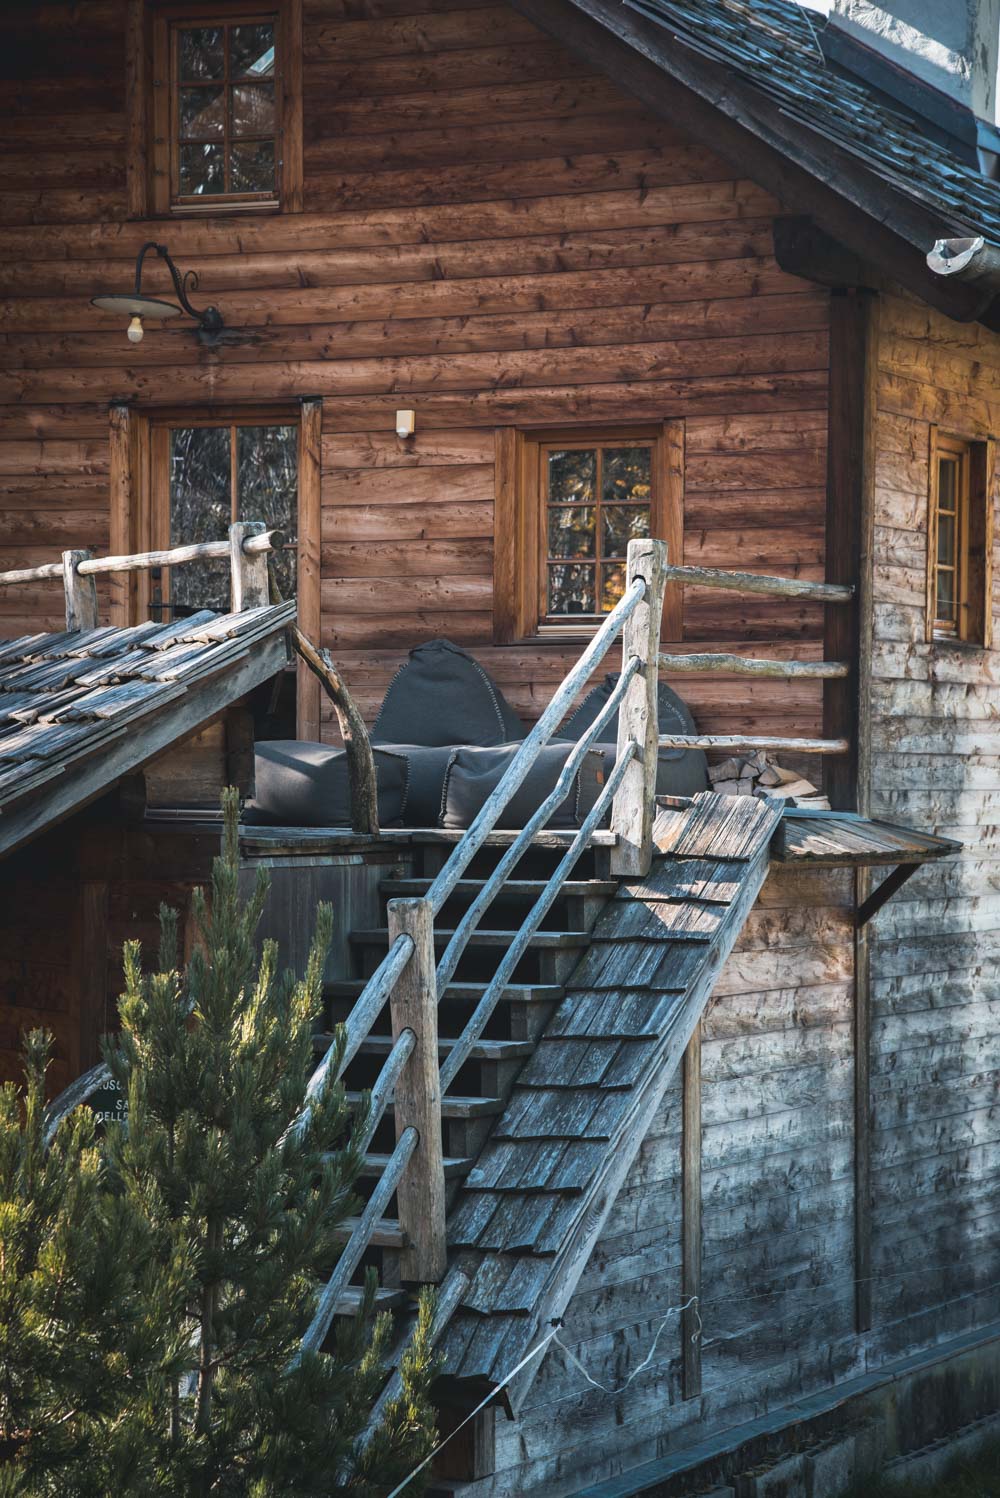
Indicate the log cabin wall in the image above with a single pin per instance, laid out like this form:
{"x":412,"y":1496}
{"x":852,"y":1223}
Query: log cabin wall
{"x":777,"y":1210}
{"x":936,"y":1134}
{"x":492,"y":236}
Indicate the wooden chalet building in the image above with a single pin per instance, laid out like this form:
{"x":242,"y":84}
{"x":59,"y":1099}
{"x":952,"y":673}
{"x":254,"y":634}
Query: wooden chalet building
{"x":497,"y":287}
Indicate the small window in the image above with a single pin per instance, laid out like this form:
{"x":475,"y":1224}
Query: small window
{"x":959,"y":540}
{"x":225,"y":109}
{"x":597,"y":499}
{"x":568,"y":504}
{"x":224,"y":81}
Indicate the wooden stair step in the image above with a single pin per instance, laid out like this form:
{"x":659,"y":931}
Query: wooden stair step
{"x":374,"y":1164}
{"x":387,"y":1234}
{"x":452,"y":1107}
{"x":519,"y":888}
{"x":483,"y":1050}
{"x":471,"y":993}
{"x":548,"y":941}
{"x":349,"y":1300}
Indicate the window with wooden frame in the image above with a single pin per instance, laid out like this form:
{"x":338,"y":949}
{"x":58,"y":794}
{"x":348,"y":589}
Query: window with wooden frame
{"x":568,"y":503}
{"x":180,"y":476}
{"x":215,"y":93}
{"x":960,"y":540}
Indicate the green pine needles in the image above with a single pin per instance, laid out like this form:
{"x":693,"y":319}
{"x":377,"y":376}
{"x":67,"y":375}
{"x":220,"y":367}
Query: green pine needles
{"x":194,"y":1242}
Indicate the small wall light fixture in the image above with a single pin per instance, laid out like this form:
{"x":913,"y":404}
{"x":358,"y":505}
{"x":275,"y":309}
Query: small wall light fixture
{"x":137,"y":307}
{"x":406,"y":423}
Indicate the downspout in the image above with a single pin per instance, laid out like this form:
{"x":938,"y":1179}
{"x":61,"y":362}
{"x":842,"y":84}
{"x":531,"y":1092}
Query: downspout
{"x":972,"y":260}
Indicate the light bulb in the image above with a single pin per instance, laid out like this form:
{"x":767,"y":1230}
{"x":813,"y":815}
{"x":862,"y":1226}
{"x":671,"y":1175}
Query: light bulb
{"x":135,"y":330}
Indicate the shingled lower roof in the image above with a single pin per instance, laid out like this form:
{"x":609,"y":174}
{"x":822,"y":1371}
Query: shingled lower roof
{"x":80,"y":708}
{"x":530,"y":1212}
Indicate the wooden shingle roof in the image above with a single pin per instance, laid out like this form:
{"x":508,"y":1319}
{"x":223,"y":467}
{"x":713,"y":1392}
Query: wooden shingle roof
{"x":80,"y":708}
{"x":525,"y":1222}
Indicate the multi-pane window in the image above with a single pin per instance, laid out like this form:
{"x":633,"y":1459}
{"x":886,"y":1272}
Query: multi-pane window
{"x":951,"y":556}
{"x":959,"y":540}
{"x":597,"y":498}
{"x":218,"y":474}
{"x":225,"y":85}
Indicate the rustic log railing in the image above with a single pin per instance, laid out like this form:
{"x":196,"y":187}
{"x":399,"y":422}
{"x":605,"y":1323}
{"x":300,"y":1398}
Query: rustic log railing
{"x":246,"y":550}
{"x":739,"y":665}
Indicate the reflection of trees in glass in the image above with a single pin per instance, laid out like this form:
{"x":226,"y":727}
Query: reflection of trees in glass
{"x":598,"y":500}
{"x":226,"y":114}
{"x":208,"y":491}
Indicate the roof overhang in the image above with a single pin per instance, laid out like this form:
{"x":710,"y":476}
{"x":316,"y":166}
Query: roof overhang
{"x":54,"y":790}
{"x":842,"y":196}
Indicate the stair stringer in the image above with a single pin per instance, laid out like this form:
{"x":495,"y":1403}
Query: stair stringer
{"x":507,"y":1295}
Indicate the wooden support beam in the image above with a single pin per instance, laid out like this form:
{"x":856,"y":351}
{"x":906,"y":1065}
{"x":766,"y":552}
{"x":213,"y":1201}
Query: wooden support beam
{"x":873,"y":903}
{"x":250,"y":588}
{"x":850,"y":529}
{"x":413,"y":1005}
{"x":81,"y":592}
{"x":361,"y":774}
{"x":634,"y":803}
{"x":307,"y":686}
{"x":691,"y":1218}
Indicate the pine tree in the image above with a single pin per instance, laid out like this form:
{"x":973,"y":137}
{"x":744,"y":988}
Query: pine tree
{"x":86,"y":1311}
{"x":215,"y":1061}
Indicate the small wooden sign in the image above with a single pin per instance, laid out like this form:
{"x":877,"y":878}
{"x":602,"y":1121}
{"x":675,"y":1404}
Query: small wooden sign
{"x":109,"y":1104}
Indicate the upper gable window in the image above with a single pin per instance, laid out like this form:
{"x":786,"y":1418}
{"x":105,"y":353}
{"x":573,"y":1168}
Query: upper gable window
{"x":225,"y":107}
{"x":223,"y":96}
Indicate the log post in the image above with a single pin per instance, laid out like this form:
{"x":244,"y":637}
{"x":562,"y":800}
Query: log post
{"x":81,"y":592}
{"x":413,"y":1004}
{"x":250,"y":588}
{"x":632,"y":813}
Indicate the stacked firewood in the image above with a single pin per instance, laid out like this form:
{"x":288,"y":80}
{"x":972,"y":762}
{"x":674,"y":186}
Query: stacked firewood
{"x":756,"y":775}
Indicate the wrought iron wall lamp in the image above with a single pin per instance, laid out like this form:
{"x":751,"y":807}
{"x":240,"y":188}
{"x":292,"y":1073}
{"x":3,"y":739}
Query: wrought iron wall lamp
{"x":136,"y":306}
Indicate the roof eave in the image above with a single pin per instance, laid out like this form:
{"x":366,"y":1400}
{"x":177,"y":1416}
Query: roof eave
{"x":852,"y":204}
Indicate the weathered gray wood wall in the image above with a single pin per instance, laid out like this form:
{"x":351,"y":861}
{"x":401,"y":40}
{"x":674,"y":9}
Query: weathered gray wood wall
{"x":935,"y":990}
{"x":777,"y":1288}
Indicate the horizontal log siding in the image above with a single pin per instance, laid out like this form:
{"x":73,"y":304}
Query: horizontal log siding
{"x":935,"y":994}
{"x":777,"y":1186}
{"x":492,"y":235}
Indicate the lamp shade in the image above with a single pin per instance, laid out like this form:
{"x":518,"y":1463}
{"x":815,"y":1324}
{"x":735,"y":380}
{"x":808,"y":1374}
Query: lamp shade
{"x":130,"y":305}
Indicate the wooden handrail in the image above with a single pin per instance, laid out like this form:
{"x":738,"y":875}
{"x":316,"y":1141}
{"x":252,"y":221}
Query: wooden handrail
{"x":140,"y":561}
{"x":474,"y":912}
{"x":760,"y":582}
{"x":350,"y":1256}
{"x":533,"y":744}
{"x":477,"y":1022}
{"x":752,"y":665}
{"x":739,"y":741}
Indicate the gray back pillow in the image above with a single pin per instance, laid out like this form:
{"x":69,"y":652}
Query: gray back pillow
{"x":443,"y":696}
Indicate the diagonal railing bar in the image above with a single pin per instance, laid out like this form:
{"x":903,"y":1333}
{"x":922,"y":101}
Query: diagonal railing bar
{"x":475,"y":1026}
{"x":358,"y":1025}
{"x":72,"y":1096}
{"x":470,"y":920}
{"x":533,"y":744}
{"x":350,"y":1258}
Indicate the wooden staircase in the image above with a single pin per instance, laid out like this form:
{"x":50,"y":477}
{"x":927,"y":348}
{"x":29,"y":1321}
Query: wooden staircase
{"x":484,"y":1082}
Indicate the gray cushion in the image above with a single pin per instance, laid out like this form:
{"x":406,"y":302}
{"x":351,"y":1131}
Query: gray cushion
{"x":441,"y":696}
{"x":474,"y":774}
{"x":302,"y":784}
{"x":679,"y":772}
